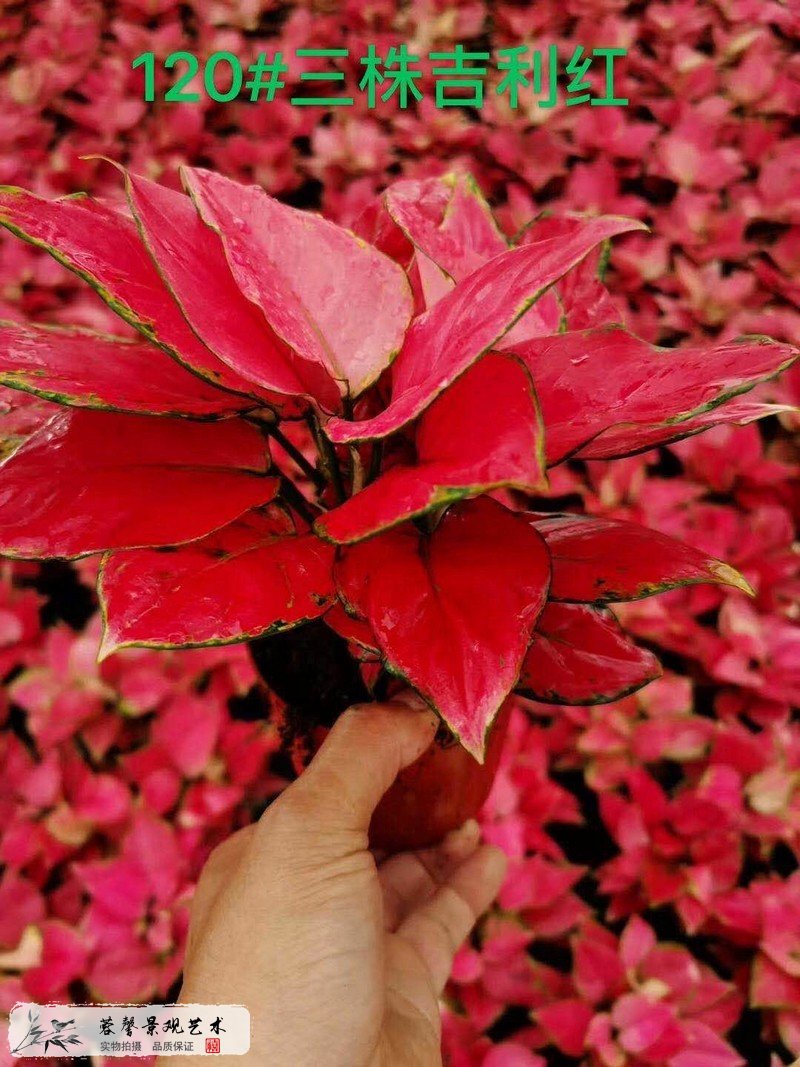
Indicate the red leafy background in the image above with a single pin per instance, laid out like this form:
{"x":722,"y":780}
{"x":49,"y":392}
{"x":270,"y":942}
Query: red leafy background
{"x":651,"y":913}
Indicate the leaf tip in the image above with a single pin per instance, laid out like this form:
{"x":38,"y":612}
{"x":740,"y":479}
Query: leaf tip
{"x":727,"y":575}
{"x":108,"y":646}
{"x":476,"y":749}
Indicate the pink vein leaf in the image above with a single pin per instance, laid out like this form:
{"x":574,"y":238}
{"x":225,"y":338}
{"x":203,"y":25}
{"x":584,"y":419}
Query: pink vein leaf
{"x":334,"y":299}
{"x":82,"y":368}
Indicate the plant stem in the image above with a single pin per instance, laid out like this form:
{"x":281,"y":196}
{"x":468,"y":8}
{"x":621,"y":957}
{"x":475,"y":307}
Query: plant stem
{"x":327,"y":456}
{"x":316,"y":477}
{"x":357,"y":469}
{"x":375,"y":461}
{"x":294,"y":497}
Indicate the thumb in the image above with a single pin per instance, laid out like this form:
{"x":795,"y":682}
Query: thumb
{"x":360,"y":758}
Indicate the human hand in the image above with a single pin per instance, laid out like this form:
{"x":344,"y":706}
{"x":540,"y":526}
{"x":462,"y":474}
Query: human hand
{"x":340,"y":959}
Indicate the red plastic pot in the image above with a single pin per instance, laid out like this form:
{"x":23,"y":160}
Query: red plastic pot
{"x":435,"y":794}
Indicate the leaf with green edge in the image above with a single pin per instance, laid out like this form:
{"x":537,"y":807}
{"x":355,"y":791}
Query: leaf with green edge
{"x":103,"y":247}
{"x":602,"y":561}
{"x":21,"y":415}
{"x":629,"y":439}
{"x":82,"y":368}
{"x":580,"y":300}
{"x":448,"y":220}
{"x":483,"y":433}
{"x":191,"y":259}
{"x":453,"y":611}
{"x":358,"y":631}
{"x":89,"y":481}
{"x":333,"y":298}
{"x":607,"y":393}
{"x":585,"y":301}
{"x":445,"y":341}
{"x":451,"y":227}
{"x":254,"y":577}
{"x":581,"y":655}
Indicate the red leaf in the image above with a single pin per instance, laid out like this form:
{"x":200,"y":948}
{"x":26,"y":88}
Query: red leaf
{"x":332,"y":298}
{"x":566,"y":1023}
{"x":471,"y":319}
{"x":186,"y":729}
{"x":579,"y":300}
{"x":21,"y":414}
{"x":585,"y":301}
{"x":581,"y":656}
{"x":86,"y":369}
{"x":191,"y":259}
{"x":599,"y":561}
{"x":251,"y":578}
{"x":103,"y":247}
{"x":453,"y":611}
{"x":604,"y":392}
{"x":622,"y":440}
{"x":771,"y":986}
{"x":483,"y":433}
{"x":356,"y":630}
{"x":94,"y":480}
{"x":448,"y":220}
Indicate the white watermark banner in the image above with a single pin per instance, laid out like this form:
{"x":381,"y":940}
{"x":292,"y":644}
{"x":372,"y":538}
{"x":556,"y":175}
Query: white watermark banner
{"x":129,"y":1030}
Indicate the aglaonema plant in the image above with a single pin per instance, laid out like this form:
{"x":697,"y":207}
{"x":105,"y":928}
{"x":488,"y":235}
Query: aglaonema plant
{"x":330,"y":444}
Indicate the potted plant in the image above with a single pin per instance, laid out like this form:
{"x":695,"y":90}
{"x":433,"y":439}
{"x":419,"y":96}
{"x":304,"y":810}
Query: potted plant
{"x":336,"y":446}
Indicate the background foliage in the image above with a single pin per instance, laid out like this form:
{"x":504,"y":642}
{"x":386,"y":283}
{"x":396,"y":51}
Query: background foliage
{"x":651,"y":913}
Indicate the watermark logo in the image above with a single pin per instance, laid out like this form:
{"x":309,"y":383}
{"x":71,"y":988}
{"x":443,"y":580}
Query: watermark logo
{"x":50,"y":1030}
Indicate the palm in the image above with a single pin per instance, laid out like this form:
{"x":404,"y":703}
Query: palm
{"x":341,"y":956}
{"x":431,"y":900}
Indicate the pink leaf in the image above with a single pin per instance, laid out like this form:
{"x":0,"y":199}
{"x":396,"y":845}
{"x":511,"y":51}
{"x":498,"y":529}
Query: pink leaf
{"x":566,"y":1022}
{"x":448,"y":220}
{"x":191,"y":259}
{"x":445,"y":341}
{"x":64,"y":956}
{"x":704,"y":1048}
{"x":103,"y":247}
{"x":332,"y":298}
{"x":125,"y":975}
{"x":187,"y":729}
{"x":86,"y":369}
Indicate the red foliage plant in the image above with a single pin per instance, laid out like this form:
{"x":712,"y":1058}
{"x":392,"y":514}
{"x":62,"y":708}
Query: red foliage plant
{"x":326,"y":431}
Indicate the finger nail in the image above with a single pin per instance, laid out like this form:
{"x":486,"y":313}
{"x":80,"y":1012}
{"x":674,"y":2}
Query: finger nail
{"x":469,"y":831}
{"x":463,"y":839}
{"x":409,"y":698}
{"x":496,"y":862}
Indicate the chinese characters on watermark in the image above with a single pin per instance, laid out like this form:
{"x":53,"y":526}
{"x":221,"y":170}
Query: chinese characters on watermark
{"x":128,"y":1030}
{"x":522,"y":76}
